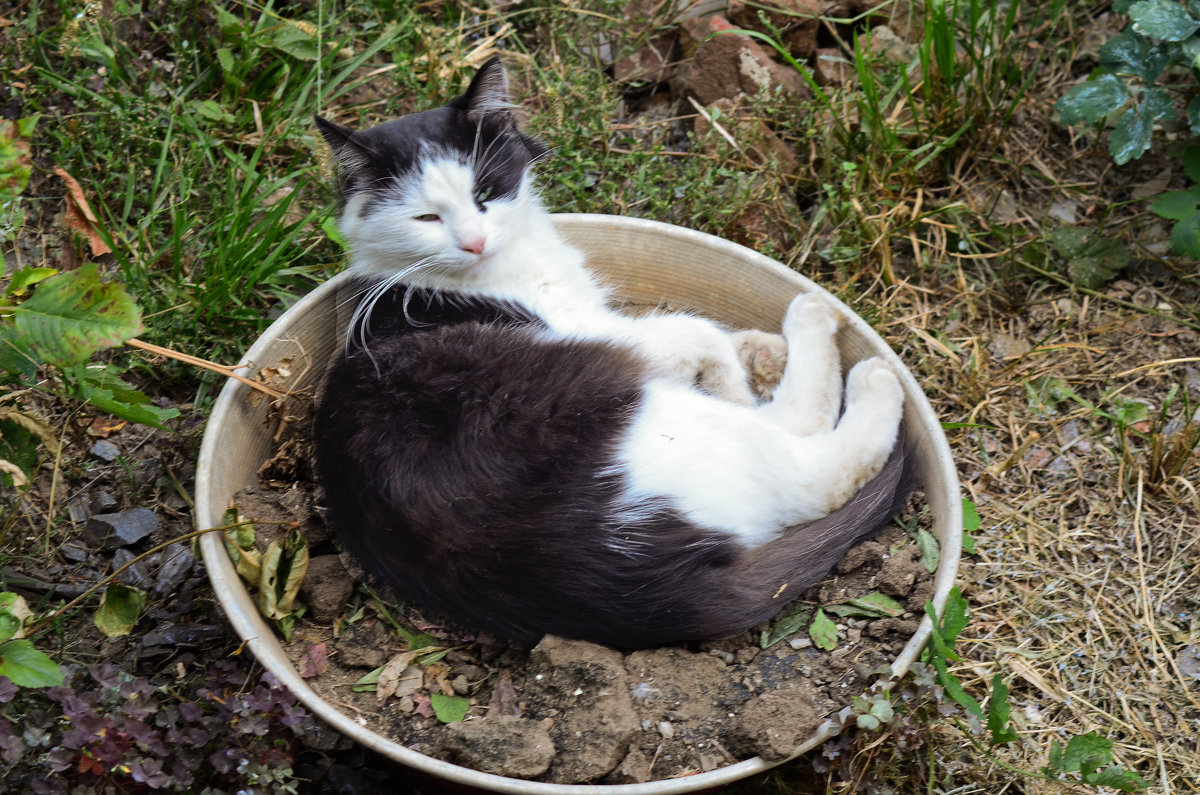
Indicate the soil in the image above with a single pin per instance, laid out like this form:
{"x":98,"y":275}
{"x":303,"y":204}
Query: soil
{"x":571,"y":712}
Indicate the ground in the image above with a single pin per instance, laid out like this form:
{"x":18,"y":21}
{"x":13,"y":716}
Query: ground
{"x":1068,"y":396}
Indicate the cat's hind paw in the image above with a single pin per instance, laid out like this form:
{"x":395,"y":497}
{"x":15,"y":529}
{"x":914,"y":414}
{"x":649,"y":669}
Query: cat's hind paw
{"x":764,"y":356}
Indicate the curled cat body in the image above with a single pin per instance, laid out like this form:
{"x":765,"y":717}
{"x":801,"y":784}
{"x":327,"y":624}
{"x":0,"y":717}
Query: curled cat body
{"x":502,"y":448}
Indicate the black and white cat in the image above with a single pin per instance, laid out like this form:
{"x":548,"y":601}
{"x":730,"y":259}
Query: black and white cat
{"x":501,"y":447}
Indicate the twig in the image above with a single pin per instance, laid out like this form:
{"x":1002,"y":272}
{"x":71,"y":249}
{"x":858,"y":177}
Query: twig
{"x":205,"y":364}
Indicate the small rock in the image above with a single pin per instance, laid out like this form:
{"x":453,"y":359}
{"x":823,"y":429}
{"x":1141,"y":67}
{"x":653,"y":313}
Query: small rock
{"x":136,"y":575}
{"x":316,"y":734}
{"x":112,"y":530}
{"x":651,"y":65}
{"x":1188,"y":661}
{"x":502,"y":745}
{"x":733,"y":64}
{"x":774,"y":724}
{"x":185,"y":635}
{"x":326,"y":588}
{"x":103,"y":502}
{"x":831,"y":67}
{"x":75,"y":551}
{"x":106,"y":451}
{"x":177,"y":561}
{"x":78,"y":511}
{"x":798,"y":21}
{"x":634,"y":769}
{"x":460,"y":685}
{"x":866,"y":552}
{"x":364,"y":644}
{"x":585,"y":688}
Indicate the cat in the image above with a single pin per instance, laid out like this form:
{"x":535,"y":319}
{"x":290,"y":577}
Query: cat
{"x":501,"y":447}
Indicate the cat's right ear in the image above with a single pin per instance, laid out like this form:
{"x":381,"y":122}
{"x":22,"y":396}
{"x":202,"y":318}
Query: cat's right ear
{"x":488,"y":93}
{"x":349,"y":154}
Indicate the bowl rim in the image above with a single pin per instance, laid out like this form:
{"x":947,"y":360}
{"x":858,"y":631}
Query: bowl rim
{"x":243,"y":615}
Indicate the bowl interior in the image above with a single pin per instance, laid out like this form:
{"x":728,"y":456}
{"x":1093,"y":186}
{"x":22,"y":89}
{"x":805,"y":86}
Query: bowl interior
{"x":646,"y":263}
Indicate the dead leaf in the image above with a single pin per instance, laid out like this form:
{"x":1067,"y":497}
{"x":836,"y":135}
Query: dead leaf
{"x":80,"y":217}
{"x":104,"y":427}
{"x":14,"y":472}
{"x":504,"y":698}
{"x":315,"y":661}
{"x":424,"y":708}
{"x":33,"y":425}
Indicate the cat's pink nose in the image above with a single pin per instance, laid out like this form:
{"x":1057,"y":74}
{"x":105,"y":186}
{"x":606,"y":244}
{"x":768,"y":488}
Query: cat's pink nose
{"x":473,"y":246}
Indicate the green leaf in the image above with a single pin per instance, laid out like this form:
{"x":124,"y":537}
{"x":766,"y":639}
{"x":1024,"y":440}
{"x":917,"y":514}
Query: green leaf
{"x":970,"y":516}
{"x":23,"y":279}
{"x":297,"y":42}
{"x":330,"y":227}
{"x":1122,"y":6}
{"x":1092,"y":101}
{"x":789,"y":624}
{"x":1185,"y":236}
{"x":1193,"y":116}
{"x":1190,"y":157}
{"x":1084,"y":753}
{"x":368,"y":681}
{"x":16,"y":357}
{"x":1176,"y":204}
{"x":210,"y":110}
{"x":119,"y":610}
{"x":1116,"y":777}
{"x":931,"y":554}
{"x":1129,"y":53}
{"x":954,"y":689}
{"x":868,"y":722}
{"x":28,"y":667}
{"x":999,"y":713}
{"x":74,"y":314}
{"x":880,"y":603}
{"x":128,"y":404}
{"x":225,"y":59}
{"x":1163,"y":19}
{"x":823,"y":631}
{"x":1130,"y":137}
{"x":19,"y":446}
{"x":449,"y":709}
{"x":1158,"y":104}
{"x":1091,"y":260}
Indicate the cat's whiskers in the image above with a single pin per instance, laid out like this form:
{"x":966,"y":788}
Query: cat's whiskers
{"x":360,"y":322}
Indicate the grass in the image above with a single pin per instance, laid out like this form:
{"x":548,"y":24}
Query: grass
{"x":189,"y":128}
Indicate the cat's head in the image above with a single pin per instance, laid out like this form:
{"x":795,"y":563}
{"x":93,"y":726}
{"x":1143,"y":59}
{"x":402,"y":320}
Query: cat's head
{"x":446,"y":188}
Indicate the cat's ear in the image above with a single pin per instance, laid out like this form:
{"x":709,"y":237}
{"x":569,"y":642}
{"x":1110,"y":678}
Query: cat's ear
{"x":349,"y":154}
{"x":488,"y":93}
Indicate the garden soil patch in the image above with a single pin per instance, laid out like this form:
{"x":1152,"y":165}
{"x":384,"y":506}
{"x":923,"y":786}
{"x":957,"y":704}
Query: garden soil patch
{"x":571,"y":712}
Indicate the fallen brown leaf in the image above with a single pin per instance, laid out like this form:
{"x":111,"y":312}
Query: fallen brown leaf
{"x":80,"y":217}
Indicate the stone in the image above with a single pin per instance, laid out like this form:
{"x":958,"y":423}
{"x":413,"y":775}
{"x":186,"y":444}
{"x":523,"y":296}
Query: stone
{"x":112,"y":530}
{"x":584,"y":689}
{"x":364,"y":644}
{"x":136,"y":575}
{"x":634,"y":769}
{"x":732,"y":64}
{"x":652,"y":64}
{"x":774,"y":724}
{"x":796,"y":19}
{"x":106,"y":451}
{"x":177,"y":562}
{"x":326,"y":588}
{"x":502,"y":745}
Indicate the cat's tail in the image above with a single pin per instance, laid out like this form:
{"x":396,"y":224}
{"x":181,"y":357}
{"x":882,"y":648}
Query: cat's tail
{"x":763,"y":581}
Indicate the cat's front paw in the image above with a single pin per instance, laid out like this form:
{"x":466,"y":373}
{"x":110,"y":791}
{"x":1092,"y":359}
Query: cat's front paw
{"x":764,"y":356}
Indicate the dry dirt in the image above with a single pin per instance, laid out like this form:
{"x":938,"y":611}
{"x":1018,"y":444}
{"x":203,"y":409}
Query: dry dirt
{"x":571,"y":712}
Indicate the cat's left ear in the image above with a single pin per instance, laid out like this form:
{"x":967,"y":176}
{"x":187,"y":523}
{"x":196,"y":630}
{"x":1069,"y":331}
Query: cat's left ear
{"x":488,"y":93}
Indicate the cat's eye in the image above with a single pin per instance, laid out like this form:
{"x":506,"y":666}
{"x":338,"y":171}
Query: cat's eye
{"x":427,"y":217}
{"x":483,"y":195}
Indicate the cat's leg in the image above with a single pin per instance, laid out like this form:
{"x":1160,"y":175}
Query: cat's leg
{"x":735,"y":469}
{"x":691,"y":350}
{"x":764,"y":355}
{"x":809,"y":395}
